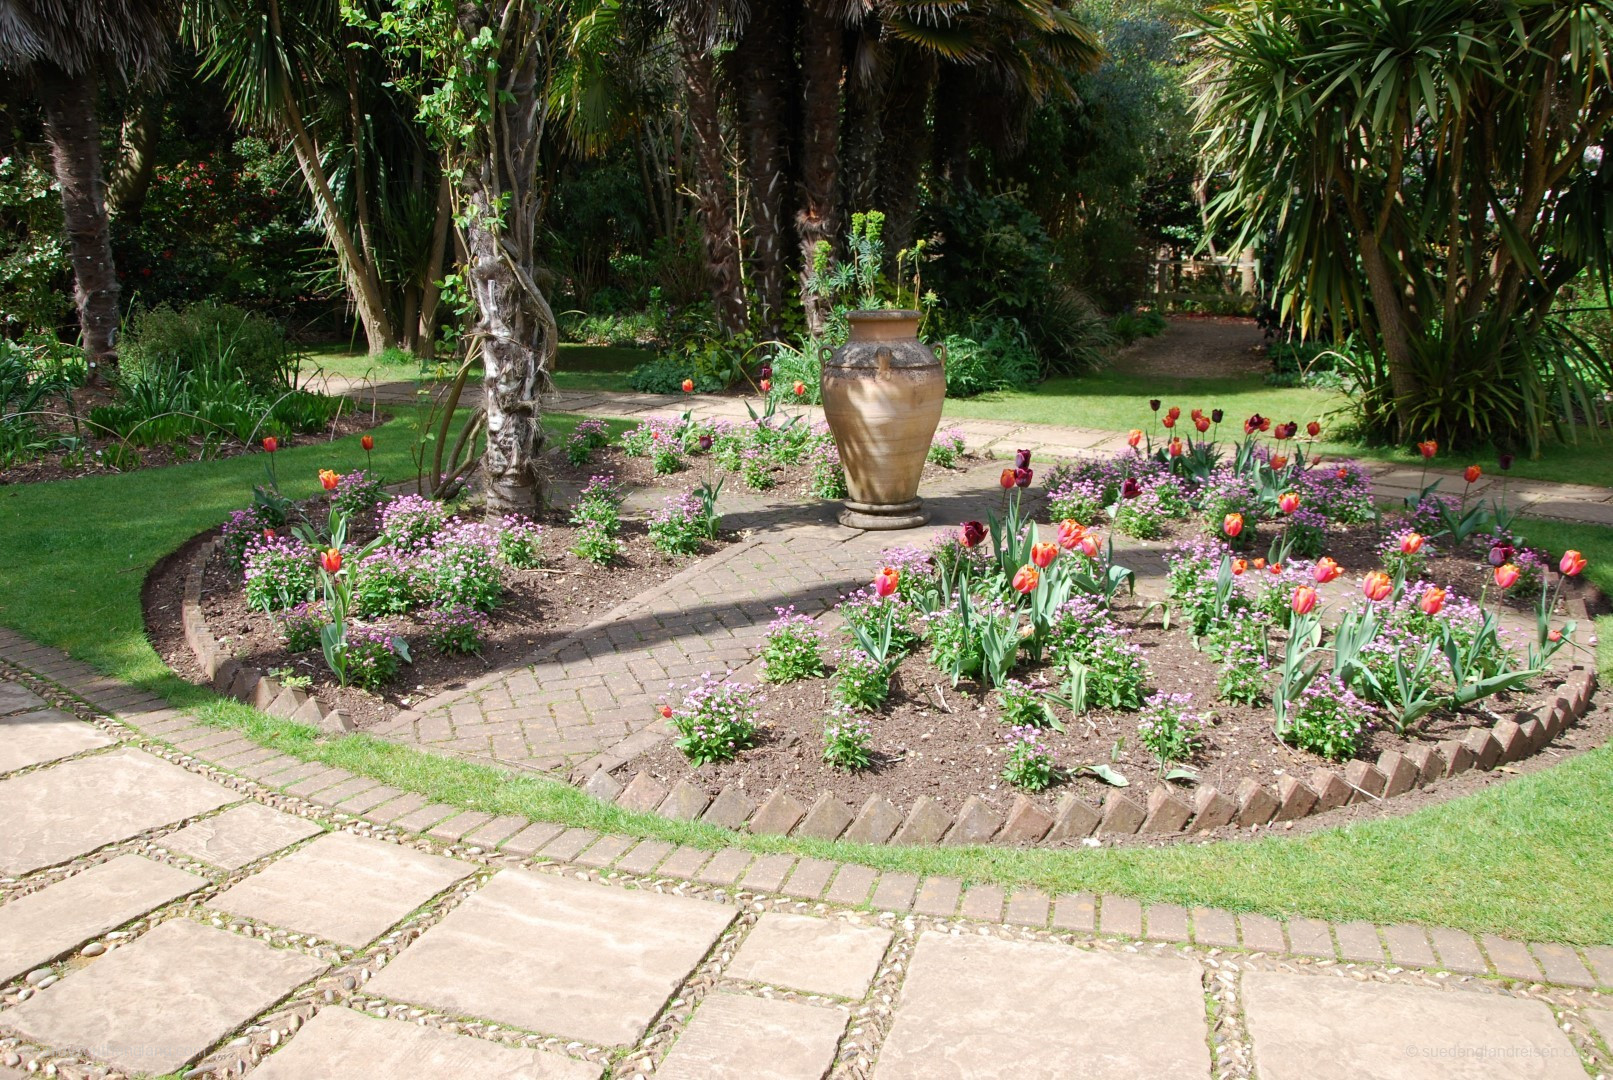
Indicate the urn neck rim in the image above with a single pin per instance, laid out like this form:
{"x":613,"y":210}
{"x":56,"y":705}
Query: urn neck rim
{"x":884,"y":324}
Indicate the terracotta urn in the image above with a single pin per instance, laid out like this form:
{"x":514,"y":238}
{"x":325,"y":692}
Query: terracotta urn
{"x":882,"y":394}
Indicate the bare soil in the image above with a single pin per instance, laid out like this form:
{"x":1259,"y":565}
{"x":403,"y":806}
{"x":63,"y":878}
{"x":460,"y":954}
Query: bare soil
{"x":1197,"y":347}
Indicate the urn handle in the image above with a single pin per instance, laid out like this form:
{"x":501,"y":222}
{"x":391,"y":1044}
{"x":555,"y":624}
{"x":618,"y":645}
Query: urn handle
{"x":882,"y":357}
{"x":825,"y":354}
{"x":941,"y":352}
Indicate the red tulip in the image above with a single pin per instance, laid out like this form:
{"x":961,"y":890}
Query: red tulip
{"x":1572,"y":563}
{"x":971,"y":534}
{"x":1202,"y":423}
{"x":1168,"y":420}
{"x":1501,"y":553}
{"x":1411,"y":543}
{"x":1303,"y":602}
{"x":1313,"y":429}
{"x":688,"y":386}
{"x":1377,"y":586}
{"x":367,"y":442}
{"x":1342,"y":473}
{"x":328,"y":479}
{"x":1044,"y":554}
{"x":1026,"y":578}
{"x":1428,"y":448}
{"x":1506,"y":575}
{"x":1288,"y":502}
{"x":1089,"y":546}
{"x":1276,"y":569}
{"x":665,"y":711}
{"x":1130,"y":488}
{"x":1134,"y":438}
{"x":268,"y":534}
{"x":1022,"y":459}
{"x":331,"y":560}
{"x":1279,"y":461}
{"x":1325,"y":570}
{"x":886,"y":580}
{"x":1176,"y":448}
{"x":1281,"y":432}
{"x":1472,"y":473}
{"x":1232,"y":525}
{"x":1197,"y":414}
{"x":1554,"y":636}
{"x":1153,"y":403}
{"x":1175,"y":412}
{"x":1431,"y":601}
{"x":1070,"y":532}
{"x":271,"y":444}
{"x":1239,"y":565}
{"x":766,"y":385}
{"x":800,"y":389}
{"x":1006,"y":479}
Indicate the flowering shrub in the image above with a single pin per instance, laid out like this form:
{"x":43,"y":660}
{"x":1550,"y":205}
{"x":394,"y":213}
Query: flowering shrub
{"x":861,"y":682}
{"x":1305,"y":532}
{"x":357,"y":491}
{"x":793,"y":649}
{"x":520,"y":542}
{"x":1404,"y":553}
{"x":715,"y":720}
{"x":1168,"y":728}
{"x":387,"y":582}
{"x":946,"y":448}
{"x":372,"y":657}
{"x":1241,"y":646}
{"x":411,"y":519}
{"x":1227,"y":493}
{"x":847,"y":740}
{"x":239,"y":532}
{"x":302,"y":624}
{"x":756,"y":469}
{"x":1330,"y":720}
{"x":599,"y":505}
{"x":1023,"y":705}
{"x":1030,"y":764}
{"x":586,"y":437}
{"x":462,"y":570}
{"x":679,"y":526}
{"x":1116,"y":671}
{"x":455,"y":630}
{"x":828,"y":476}
{"x":667,"y":457}
{"x":596,"y":545}
{"x":1340,"y":490}
{"x":279,"y":573}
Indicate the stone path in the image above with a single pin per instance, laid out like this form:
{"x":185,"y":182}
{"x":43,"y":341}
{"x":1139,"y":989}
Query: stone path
{"x":175,"y":901}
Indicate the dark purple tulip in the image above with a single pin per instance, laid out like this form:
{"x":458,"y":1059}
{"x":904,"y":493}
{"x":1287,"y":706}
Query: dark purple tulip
{"x":1505,"y":461}
{"x":1022,"y":478}
{"x":1216,"y":415}
{"x":972,"y":533}
{"x":767,"y":371}
{"x":1022,"y":459}
{"x":1153,"y":403}
{"x":1130,"y":488}
{"x":1501,"y":554}
{"x":705,"y":442}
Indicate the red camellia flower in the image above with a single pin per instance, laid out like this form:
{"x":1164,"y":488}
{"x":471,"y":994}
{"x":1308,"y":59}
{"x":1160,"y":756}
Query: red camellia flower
{"x":1313,"y":429}
{"x":971,"y":533}
{"x":800,"y":389}
{"x":1432,"y":601}
{"x":1134,"y":438}
{"x":1202,"y":423}
{"x":1288,"y":502}
{"x":1303,"y":602}
{"x":328,"y":479}
{"x":367,"y":442}
{"x":1070,"y":532}
{"x":331,"y":560}
{"x":1089,"y":546}
{"x":1279,"y":461}
{"x":1043,"y":554}
{"x":1168,"y":420}
{"x":1506,"y":575}
{"x":1232,"y":525}
{"x":1411,"y":543}
{"x":688,"y":386}
{"x":1572,"y":563}
{"x":1026,"y":578}
{"x":1006,"y":479}
{"x":1176,"y":448}
{"x":1377,"y":586}
{"x":271,"y":444}
{"x":1428,"y":448}
{"x":886,"y":580}
{"x":1472,"y":473}
{"x":1325,"y":570}
{"x":1239,"y":565}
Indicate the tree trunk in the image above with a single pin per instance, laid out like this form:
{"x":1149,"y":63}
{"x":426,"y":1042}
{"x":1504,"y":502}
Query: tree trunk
{"x":815,"y":222}
{"x":904,"y":145}
{"x":954,"y":125}
{"x":861,"y":138}
{"x":716,"y":199}
{"x":515,"y":327}
{"x":426,"y":337}
{"x":766,"y":78}
{"x":137,"y":157}
{"x":75,"y":146}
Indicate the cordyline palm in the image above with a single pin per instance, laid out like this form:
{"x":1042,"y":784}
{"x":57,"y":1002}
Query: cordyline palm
{"x":61,"y":49}
{"x":1441,"y":153}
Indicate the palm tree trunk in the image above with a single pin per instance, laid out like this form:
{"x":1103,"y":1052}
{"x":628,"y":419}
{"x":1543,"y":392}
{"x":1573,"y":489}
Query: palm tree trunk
{"x":815,"y":222}
{"x":766,"y":77}
{"x":716,"y":199}
{"x":75,"y":145}
{"x":426,"y":338}
{"x":137,"y":157}
{"x":904,"y":145}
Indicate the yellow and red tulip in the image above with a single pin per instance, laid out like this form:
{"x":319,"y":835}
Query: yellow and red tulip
{"x":1377,"y":586}
{"x":1026,"y":578}
{"x":1303,"y":602}
{"x":1043,"y":554}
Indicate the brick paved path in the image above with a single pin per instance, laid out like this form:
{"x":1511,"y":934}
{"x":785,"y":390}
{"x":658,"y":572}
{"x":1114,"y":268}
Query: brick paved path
{"x":178,"y":900}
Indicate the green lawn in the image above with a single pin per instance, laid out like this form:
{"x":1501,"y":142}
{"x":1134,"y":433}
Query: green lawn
{"x":578,"y":367}
{"x":1526,"y":858}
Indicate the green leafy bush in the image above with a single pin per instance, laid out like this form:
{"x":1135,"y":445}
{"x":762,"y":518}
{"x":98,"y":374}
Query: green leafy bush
{"x":206,"y":335}
{"x":992,"y":354}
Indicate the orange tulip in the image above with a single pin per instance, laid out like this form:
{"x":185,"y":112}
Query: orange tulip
{"x":1239,"y":565}
{"x":328,"y":479}
{"x":1259,"y":564}
{"x":1232,"y":525}
{"x":271,"y":444}
{"x":800,"y":389}
{"x":886,"y":580}
{"x":1089,"y":546}
{"x":766,"y":385}
{"x":1554,"y":636}
{"x":1288,"y":502}
{"x":1044,"y":554}
{"x":665,"y":711}
{"x":1572,"y":563}
{"x":1007,"y":479}
{"x":1377,"y":586}
{"x":1325,"y":570}
{"x":1069,"y":533}
{"x":1303,"y":602}
{"x":1134,"y":438}
{"x":1027,"y":577}
{"x":331,"y":560}
{"x":367,"y":442}
{"x":1472,"y":473}
{"x":1411,"y":543}
{"x":1432,"y":601}
{"x":1428,"y":448}
{"x":1279,"y":461}
{"x":1176,"y":448}
{"x":688,"y":386}
{"x":1506,"y":575}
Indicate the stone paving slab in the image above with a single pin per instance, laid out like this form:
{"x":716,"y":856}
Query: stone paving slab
{"x":155,"y":1005}
{"x":68,"y":810}
{"x":819,"y":956}
{"x":595,"y":963}
{"x":1306,"y":1027}
{"x":36,"y":928}
{"x":14,"y":697}
{"x":1602,"y":1021}
{"x":976,"y":1007}
{"x":33,"y":738}
{"x":339,"y":1042}
{"x":240,"y":835}
{"x":364,"y":887}
{"x":744,"y":1038}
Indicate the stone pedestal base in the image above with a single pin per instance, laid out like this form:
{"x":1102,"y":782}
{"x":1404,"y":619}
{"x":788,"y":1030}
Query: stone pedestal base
{"x":873,"y":516}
